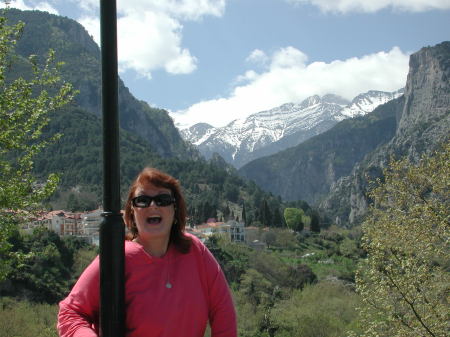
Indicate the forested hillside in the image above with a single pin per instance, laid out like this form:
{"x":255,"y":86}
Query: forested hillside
{"x":81,"y":55}
{"x":148,"y":136}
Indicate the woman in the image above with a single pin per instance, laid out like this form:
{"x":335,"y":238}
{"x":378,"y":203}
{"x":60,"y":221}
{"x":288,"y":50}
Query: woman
{"x":173,"y":284}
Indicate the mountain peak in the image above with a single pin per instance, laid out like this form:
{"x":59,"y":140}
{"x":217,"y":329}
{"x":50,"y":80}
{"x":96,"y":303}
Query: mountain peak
{"x":266,"y":132}
{"x":197,"y":133}
{"x":368,"y":101}
{"x":310,"y":101}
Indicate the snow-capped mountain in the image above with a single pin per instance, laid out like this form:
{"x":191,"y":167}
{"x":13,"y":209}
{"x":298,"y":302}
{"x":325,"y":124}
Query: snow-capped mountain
{"x":288,"y":125}
{"x":367,"y":102}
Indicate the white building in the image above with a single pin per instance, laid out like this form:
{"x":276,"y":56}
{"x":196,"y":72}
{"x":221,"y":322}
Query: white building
{"x":237,"y":231}
{"x":91,"y":226}
{"x":61,"y":222}
{"x":233,"y":229}
{"x":91,"y":222}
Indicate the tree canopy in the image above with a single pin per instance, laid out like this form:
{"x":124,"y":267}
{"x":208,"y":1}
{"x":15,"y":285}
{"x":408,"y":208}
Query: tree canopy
{"x":405,"y":279}
{"x":294,"y":218}
{"x":24,"y":106}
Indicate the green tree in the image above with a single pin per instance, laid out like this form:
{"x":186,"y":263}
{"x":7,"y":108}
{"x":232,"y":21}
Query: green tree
{"x":44,"y":271}
{"x":405,"y":279}
{"x":277,"y":219}
{"x":265,"y":214}
{"x":231,"y":192}
{"x":319,"y":310}
{"x":294,"y":218}
{"x":244,"y":215}
{"x":315,"y":222}
{"x":24,"y":108}
{"x":73,"y":203}
{"x":270,"y":238}
{"x":256,"y":287}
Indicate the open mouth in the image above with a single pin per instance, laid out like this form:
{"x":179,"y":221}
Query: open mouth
{"x":154,"y":220}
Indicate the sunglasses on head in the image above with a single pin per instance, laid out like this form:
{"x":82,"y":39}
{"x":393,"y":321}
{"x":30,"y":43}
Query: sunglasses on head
{"x":143,"y":201}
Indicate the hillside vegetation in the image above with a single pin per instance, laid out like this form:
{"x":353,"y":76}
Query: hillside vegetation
{"x":301,"y":283}
{"x":148,"y":135}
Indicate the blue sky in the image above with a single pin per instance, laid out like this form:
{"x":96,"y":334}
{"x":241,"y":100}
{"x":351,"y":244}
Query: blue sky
{"x":217,"y":60}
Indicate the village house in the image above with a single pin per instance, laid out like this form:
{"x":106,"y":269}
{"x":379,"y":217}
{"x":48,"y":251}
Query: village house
{"x":234,"y":230}
{"x":91,"y":226}
{"x":87,"y":226}
{"x":62,"y":222}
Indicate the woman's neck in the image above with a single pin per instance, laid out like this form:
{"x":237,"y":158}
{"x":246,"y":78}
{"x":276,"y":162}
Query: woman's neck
{"x":154,"y":247}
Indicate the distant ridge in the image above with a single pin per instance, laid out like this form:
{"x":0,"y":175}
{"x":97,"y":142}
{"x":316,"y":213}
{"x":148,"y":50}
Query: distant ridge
{"x":267,"y":132}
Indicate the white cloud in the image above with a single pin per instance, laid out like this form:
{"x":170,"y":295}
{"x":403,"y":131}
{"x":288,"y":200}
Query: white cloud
{"x":290,"y":79}
{"x":88,"y":5}
{"x":19,"y":4}
{"x":149,"y":41}
{"x":287,"y":58}
{"x":249,"y":75}
{"x":369,"y":6}
{"x":32,"y":5}
{"x":150,"y":32}
{"x":92,"y":25}
{"x":258,"y":57}
{"x":182,"y":9}
{"x":46,"y":7}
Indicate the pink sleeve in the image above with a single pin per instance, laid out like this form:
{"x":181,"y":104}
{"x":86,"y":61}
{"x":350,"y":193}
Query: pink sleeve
{"x":222,"y":315}
{"x":78,"y":313}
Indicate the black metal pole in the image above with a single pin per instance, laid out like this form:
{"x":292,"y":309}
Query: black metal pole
{"x":112,"y":311}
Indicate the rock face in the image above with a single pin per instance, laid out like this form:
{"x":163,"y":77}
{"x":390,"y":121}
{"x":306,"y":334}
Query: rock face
{"x":333,"y":170}
{"x":425,"y":119}
{"x":269,"y":132}
{"x":423,"y":124}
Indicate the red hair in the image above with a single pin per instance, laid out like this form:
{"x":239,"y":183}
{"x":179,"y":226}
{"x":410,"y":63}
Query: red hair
{"x":160,"y":179}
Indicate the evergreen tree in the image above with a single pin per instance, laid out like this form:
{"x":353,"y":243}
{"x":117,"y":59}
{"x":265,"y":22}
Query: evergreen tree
{"x":315,"y":222}
{"x":277,"y":219}
{"x":265,"y":214}
{"x":244,"y":215}
{"x":73,"y":203}
{"x":226,"y":212}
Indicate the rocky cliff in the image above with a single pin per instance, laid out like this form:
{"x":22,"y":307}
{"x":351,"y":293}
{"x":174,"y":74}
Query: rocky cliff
{"x":423,"y":124}
{"x":334,"y":169}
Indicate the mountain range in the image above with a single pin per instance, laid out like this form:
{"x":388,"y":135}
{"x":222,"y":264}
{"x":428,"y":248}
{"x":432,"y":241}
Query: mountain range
{"x":335,"y":169}
{"x":148,"y":136}
{"x":268,"y":132}
{"x":331,"y":168}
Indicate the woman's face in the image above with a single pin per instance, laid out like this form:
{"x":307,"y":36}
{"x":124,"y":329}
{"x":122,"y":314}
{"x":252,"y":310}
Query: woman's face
{"x":153,"y":222}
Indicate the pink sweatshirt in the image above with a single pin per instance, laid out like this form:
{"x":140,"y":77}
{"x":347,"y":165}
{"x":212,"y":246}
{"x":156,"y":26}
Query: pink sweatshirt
{"x":198,"y":293}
